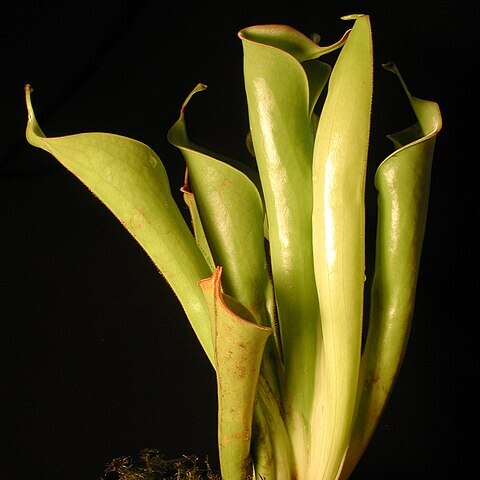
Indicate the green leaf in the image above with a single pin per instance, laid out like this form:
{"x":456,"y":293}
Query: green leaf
{"x":280,"y":93}
{"x":232,"y":216}
{"x":272,"y":450}
{"x":403,"y":183}
{"x":339,"y":166}
{"x":238,"y":345}
{"x":129,"y":178}
{"x":199,"y":232}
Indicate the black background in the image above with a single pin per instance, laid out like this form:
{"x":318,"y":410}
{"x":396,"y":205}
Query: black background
{"x":97,"y":358}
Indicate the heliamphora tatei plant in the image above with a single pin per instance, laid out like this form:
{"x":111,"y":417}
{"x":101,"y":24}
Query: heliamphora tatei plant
{"x":272,"y":277}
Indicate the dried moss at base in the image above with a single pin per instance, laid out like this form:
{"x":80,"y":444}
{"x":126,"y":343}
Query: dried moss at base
{"x":151,"y":465}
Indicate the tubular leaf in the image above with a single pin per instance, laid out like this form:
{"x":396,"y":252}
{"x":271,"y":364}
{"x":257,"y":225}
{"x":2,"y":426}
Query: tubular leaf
{"x":232,"y":216}
{"x":403,"y":183}
{"x":229,"y":215}
{"x":280,"y":93}
{"x":129,"y":178}
{"x":339,"y":165}
{"x":238,"y":345}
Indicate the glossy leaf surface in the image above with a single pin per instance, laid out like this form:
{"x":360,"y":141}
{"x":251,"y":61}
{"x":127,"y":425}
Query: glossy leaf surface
{"x":280,"y":94}
{"x":403,"y":183}
{"x":282,"y":251}
{"x":339,"y":166}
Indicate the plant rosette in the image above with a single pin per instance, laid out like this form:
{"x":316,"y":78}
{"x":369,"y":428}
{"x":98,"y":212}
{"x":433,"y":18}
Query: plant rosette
{"x":271,"y":270}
